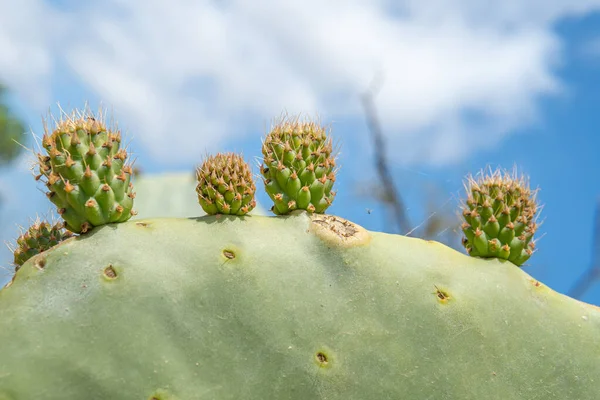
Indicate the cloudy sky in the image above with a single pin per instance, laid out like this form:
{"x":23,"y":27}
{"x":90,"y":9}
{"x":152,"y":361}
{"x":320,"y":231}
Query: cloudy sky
{"x":461,"y":85}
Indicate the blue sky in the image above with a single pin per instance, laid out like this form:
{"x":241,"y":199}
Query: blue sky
{"x":464,"y":87}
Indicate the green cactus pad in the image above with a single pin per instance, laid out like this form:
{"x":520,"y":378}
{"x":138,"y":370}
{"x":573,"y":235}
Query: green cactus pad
{"x":225,"y":185}
{"x":305,"y":306}
{"x":500,"y":217}
{"x":39,"y":237}
{"x":170,"y":194}
{"x":298,"y":167}
{"x":86,"y":172}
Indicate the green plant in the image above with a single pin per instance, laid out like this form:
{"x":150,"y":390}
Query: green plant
{"x":298,"y":167}
{"x":86,"y":172}
{"x":225,"y":185}
{"x":500,"y":217}
{"x":297,"y":306}
{"x":170,"y":194}
{"x":39,"y":237}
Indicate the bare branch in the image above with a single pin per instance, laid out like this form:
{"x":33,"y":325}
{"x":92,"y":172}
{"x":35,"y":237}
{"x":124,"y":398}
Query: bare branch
{"x":592,"y":274}
{"x":585,"y":281}
{"x":392,"y":197}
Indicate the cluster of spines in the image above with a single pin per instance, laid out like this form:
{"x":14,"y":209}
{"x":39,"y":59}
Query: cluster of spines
{"x":88,"y":179}
{"x":299,"y":166}
{"x":225,"y":185}
{"x":86,"y":172}
{"x":500,"y":217}
{"x":39,"y":237}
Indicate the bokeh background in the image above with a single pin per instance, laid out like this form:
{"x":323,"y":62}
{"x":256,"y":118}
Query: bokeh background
{"x":420,"y":93}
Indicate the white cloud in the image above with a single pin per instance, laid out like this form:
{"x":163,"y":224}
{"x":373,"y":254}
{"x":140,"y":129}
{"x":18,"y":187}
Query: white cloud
{"x":28,"y":33}
{"x":187,"y":75}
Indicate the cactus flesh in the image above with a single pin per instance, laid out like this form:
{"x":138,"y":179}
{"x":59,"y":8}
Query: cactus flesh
{"x":304,"y":306}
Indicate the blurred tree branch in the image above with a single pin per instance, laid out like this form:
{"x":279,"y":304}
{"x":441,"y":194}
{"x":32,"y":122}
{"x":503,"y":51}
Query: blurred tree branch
{"x":592,"y":274}
{"x":389,"y":194}
{"x":437,"y":225}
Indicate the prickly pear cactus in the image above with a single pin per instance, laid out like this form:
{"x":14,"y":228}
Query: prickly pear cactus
{"x":86,"y":172}
{"x":225,"y":185}
{"x":167,"y":194}
{"x":500,"y":217}
{"x":298,"y":167}
{"x":305,"y":306}
{"x":39,"y":237}
{"x":170,"y":194}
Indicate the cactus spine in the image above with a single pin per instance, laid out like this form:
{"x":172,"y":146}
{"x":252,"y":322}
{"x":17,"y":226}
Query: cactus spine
{"x":500,"y":217}
{"x":39,"y":237}
{"x":298,"y":167}
{"x":225,"y":185}
{"x":86,"y":172}
{"x":306,"y":306}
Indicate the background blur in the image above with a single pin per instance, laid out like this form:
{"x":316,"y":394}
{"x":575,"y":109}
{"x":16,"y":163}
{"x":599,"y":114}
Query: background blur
{"x":449,"y":86}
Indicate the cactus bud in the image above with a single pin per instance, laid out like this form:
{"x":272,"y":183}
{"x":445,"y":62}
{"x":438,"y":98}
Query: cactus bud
{"x":298,"y":167}
{"x":40,"y":236}
{"x":85,"y":164}
{"x":500,"y":214}
{"x":225,"y":185}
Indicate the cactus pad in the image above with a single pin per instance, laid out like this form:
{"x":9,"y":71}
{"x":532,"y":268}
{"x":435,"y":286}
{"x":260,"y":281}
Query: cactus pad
{"x":305,"y":306}
{"x":40,"y":237}
{"x":298,"y":167}
{"x":500,"y":217}
{"x":86,"y":172}
{"x":225,"y":185}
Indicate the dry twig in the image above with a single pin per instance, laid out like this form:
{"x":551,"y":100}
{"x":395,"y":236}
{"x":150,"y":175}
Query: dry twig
{"x":391,"y":195}
{"x":592,"y":274}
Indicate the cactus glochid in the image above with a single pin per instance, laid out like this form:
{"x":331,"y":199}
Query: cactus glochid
{"x":86,"y":172}
{"x":39,"y":237}
{"x":225,"y":185}
{"x":298,"y":166}
{"x":500,"y":217}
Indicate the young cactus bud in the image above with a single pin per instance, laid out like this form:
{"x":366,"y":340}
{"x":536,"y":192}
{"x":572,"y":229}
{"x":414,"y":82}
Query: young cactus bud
{"x":298,"y":167}
{"x":499,"y":215}
{"x":40,"y":237}
{"x":86,"y":172}
{"x":225,"y":185}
